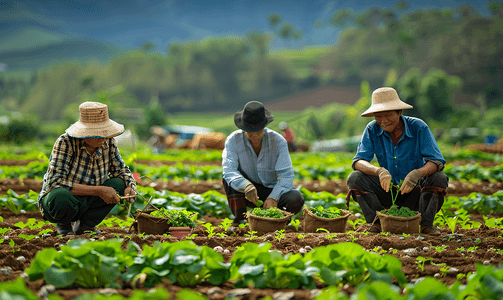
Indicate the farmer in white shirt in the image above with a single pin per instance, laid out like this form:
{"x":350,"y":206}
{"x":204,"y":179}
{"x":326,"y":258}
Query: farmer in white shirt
{"x":256,"y":165}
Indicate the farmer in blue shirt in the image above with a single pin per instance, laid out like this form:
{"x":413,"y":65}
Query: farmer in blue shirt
{"x":405,"y":150}
{"x":256,"y":165}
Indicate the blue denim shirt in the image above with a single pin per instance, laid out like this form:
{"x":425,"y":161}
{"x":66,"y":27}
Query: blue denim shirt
{"x":415,"y":147}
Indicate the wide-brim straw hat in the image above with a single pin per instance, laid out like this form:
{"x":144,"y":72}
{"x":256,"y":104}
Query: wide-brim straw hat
{"x":253,"y":117}
{"x":94,"y":122}
{"x":385,"y":99}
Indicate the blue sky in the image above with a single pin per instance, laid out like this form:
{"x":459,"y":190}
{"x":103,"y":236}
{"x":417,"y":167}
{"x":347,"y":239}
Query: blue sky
{"x":129,"y":23}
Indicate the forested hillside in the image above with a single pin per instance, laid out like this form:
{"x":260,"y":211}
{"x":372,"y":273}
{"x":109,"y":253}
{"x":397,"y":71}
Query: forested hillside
{"x":460,"y":50}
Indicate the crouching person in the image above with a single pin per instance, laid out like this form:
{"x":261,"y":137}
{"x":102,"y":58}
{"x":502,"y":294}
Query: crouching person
{"x":256,"y":165}
{"x":86,"y":173}
{"x":405,"y":150}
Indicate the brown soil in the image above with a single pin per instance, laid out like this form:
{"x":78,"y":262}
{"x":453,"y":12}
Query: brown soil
{"x":421,"y":246}
{"x":414,"y":246}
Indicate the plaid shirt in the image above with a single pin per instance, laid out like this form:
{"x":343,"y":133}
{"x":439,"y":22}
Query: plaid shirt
{"x":70,"y":163}
{"x":272,"y":167}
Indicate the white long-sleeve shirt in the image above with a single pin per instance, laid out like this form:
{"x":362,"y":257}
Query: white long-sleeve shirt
{"x":272,"y":168}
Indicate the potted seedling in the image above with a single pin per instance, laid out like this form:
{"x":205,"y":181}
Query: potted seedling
{"x":332,"y":219}
{"x":181,"y":221}
{"x":399,"y":219}
{"x":268,"y":220}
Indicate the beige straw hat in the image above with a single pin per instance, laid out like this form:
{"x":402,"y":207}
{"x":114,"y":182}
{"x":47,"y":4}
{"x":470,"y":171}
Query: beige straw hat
{"x":94,"y":122}
{"x":385,"y":99}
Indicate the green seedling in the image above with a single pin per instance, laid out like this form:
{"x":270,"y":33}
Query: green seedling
{"x":395,"y":251}
{"x":221,"y":234}
{"x":440,"y":248}
{"x":226,"y":224}
{"x":4,"y":230}
{"x":450,"y":222}
{"x":210,"y":229}
{"x":189,"y":237}
{"x":301,"y":236}
{"x":421,"y":261}
{"x":460,"y":276}
{"x":352,"y":238}
{"x":323,"y":230}
{"x":331,"y":236}
{"x":280,"y":234}
{"x":45,"y":231}
{"x":142,"y":235}
{"x":26,"y":237}
{"x":355,"y":222}
{"x":472,"y":249}
{"x":12,"y":245}
{"x":405,"y":235}
{"x":378,"y":250}
{"x":242,"y":225}
{"x":31,"y":223}
{"x":384,"y":233}
{"x":251,"y":235}
{"x":295,"y":223}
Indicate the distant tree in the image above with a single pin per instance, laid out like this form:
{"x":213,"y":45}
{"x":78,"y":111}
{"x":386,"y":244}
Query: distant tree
{"x":437,"y":89}
{"x":147,"y":46}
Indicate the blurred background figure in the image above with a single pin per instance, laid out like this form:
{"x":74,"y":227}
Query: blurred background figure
{"x":289,"y":136}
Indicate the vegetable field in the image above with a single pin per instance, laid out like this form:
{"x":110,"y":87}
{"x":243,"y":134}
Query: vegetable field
{"x":220,"y":262}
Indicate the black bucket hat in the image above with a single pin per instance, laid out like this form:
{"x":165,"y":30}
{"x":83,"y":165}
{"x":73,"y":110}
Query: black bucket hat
{"x":253,"y":118}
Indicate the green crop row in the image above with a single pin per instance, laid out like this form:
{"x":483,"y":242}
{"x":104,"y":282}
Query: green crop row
{"x":100,"y":264}
{"x":312,"y":171}
{"x":485,"y":283}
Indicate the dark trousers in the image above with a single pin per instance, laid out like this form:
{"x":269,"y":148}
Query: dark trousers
{"x":291,"y":201}
{"x":427,"y":197}
{"x":62,"y":206}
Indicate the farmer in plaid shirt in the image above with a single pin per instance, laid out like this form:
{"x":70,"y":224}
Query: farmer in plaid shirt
{"x":86,"y":173}
{"x":256,"y":165}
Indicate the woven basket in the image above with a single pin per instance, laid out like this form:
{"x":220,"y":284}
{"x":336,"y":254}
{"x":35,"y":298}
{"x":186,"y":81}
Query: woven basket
{"x":151,"y":225}
{"x":264,"y":225}
{"x":312,"y":222}
{"x":399,"y":225}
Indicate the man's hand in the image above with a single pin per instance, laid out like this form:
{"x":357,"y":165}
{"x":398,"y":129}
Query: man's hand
{"x":384,"y":178}
{"x":410,"y":181}
{"x":108,"y":195}
{"x":130,"y":192}
{"x":251,"y":193}
{"x":270,"y":202}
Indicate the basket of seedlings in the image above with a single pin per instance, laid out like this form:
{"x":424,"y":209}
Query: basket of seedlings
{"x":268,"y":220}
{"x":399,"y":219}
{"x":159,"y":221}
{"x":332,"y":219}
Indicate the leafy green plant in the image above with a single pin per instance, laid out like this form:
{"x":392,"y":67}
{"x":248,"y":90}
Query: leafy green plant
{"x":384,"y":233}
{"x":183,"y":263}
{"x":251,"y":235}
{"x":254,"y":265}
{"x":83,"y":263}
{"x":280,"y":234}
{"x":295,"y":223}
{"x":26,"y":237}
{"x":301,"y":236}
{"x":12,"y":244}
{"x":31,"y":223}
{"x":226,"y":224}
{"x":421,"y":261}
{"x":355,"y":222}
{"x":210,"y":229}
{"x":394,"y":210}
{"x":4,"y":230}
{"x":272,"y":212}
{"x":330,"y":213}
{"x":405,"y":235}
{"x":177,"y":218}
{"x":351,"y":263}
{"x":440,"y":248}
